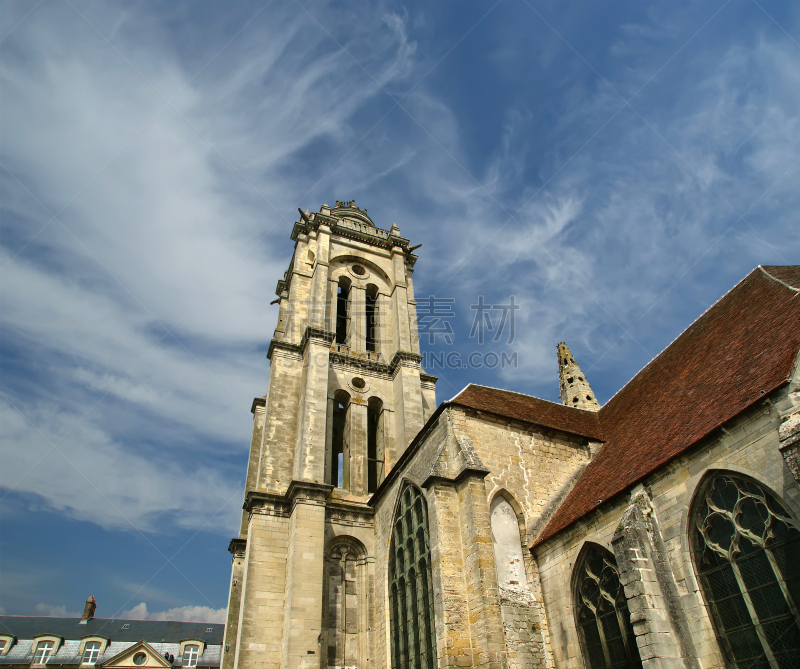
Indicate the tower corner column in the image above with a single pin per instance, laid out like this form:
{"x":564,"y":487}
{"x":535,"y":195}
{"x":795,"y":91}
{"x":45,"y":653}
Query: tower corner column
{"x":302,"y":619}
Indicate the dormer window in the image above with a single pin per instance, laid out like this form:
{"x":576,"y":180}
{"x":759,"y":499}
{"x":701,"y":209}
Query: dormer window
{"x":44,"y":649}
{"x":91,"y":652}
{"x":190,"y":654}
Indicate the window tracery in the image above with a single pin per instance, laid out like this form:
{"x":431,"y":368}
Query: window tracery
{"x":410,"y":591}
{"x":603,"y":618}
{"x":746,"y":545}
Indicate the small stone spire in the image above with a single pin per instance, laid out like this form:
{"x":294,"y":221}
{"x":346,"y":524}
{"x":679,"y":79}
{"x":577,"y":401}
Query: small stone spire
{"x":575,"y":389}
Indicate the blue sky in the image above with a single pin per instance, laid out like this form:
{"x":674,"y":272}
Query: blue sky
{"x":615,"y":168}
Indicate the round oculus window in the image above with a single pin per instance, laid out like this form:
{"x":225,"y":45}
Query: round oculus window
{"x":139,"y":658}
{"x":359,"y":270}
{"x":358,"y":382}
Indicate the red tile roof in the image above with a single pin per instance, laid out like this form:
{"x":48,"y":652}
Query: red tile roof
{"x":742,"y":348}
{"x":530,"y":410}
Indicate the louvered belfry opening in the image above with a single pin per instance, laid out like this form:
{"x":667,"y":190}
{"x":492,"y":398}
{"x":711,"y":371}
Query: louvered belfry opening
{"x":603,"y":618}
{"x":410,"y":591}
{"x":746,"y":550}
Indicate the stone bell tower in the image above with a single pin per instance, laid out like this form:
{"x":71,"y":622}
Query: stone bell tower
{"x":346,"y":395}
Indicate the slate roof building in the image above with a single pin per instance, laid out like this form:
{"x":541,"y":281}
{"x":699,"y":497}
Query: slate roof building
{"x":500,"y":530}
{"x":36,"y":641}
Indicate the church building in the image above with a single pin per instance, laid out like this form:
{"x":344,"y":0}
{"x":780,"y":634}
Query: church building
{"x":499,"y":530}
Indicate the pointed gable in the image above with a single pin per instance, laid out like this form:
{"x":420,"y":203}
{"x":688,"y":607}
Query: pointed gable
{"x":140,"y":654}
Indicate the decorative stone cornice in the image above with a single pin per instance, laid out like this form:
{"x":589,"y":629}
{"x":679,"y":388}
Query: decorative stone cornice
{"x":347,"y":220}
{"x":311,"y":334}
{"x":399,"y":359}
{"x":268,"y":504}
{"x":309,"y":491}
{"x":349,"y":513}
{"x":284,"y":346}
{"x":237,"y":547}
{"x":317,"y":334}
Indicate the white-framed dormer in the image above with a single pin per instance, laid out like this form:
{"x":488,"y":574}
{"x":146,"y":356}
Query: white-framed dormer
{"x":7,"y":642}
{"x":92,"y":647}
{"x":44,"y":647}
{"x":191,"y":651}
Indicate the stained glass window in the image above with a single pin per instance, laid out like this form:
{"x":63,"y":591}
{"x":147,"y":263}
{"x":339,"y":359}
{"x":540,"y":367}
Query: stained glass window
{"x":410,"y":588}
{"x":604,"y":623}
{"x":746,"y":547}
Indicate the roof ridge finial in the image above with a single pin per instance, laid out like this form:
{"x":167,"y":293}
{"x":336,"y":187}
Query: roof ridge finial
{"x":575,"y":389}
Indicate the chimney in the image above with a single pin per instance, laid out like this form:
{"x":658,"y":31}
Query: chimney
{"x":88,"y":611}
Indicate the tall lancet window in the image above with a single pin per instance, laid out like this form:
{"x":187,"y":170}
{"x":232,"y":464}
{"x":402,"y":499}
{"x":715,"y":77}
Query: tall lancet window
{"x":347,"y":606}
{"x":746,"y":549}
{"x":410,"y":591}
{"x":604,"y":622}
{"x":343,"y":311}
{"x":339,"y":465}
{"x":375,"y":444}
{"x":371,"y":297}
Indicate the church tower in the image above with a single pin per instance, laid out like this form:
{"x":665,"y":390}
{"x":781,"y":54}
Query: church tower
{"x":345,"y":396}
{"x":575,"y":389}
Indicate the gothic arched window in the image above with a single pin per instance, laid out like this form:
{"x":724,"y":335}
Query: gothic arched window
{"x":347,"y":606}
{"x":410,"y":591}
{"x":746,"y":550}
{"x":604,"y":623}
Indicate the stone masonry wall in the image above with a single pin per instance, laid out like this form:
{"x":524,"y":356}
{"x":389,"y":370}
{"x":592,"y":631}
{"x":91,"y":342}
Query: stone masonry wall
{"x":534,"y":467}
{"x":468,"y":624}
{"x":748,"y":445}
{"x":522,"y":633}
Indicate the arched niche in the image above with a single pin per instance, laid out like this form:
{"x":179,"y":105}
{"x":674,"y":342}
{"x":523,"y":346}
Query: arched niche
{"x":347,"y":608}
{"x":507,"y":542}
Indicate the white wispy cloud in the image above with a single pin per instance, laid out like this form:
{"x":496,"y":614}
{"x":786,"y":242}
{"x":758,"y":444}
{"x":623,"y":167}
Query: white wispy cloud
{"x":187,"y":614}
{"x":170,"y":229}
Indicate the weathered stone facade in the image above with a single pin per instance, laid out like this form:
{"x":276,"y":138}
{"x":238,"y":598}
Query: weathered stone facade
{"x":649,"y":534}
{"x":382,"y":531}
